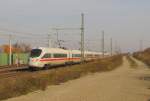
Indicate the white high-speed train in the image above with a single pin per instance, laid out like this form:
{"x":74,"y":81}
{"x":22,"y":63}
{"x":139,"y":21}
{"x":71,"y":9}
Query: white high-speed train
{"x":47,"y":57}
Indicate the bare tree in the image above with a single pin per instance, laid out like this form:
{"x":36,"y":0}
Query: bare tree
{"x":22,"y":47}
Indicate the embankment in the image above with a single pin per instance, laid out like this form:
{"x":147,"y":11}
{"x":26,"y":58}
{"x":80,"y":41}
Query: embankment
{"x":23,"y":84}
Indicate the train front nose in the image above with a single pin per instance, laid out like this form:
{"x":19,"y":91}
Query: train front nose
{"x":33,"y":62}
{"x":34,"y":58}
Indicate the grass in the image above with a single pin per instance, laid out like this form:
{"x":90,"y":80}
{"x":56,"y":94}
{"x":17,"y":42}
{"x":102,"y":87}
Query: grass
{"x":132,"y":62}
{"x":12,"y":87}
{"x":143,"y":56}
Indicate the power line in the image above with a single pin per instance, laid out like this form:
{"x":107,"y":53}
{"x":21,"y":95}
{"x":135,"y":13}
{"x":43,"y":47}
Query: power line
{"x":18,"y":32}
{"x":82,"y":35}
{"x":66,"y":28}
{"x":22,"y":36}
{"x":27,"y":37}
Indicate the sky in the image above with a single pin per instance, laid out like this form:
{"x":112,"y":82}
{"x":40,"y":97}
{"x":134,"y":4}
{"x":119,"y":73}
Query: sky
{"x":125,"y":21}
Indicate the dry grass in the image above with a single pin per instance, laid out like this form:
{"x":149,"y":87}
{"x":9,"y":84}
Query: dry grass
{"x":143,"y":56}
{"x":132,"y":62}
{"x":13,"y":87}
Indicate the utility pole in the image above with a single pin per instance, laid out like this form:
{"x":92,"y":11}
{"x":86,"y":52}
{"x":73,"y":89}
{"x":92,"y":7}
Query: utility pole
{"x":82,"y":37}
{"x":111,"y":47}
{"x":103,"y":44}
{"x":116,"y":47}
{"x":10,"y":49}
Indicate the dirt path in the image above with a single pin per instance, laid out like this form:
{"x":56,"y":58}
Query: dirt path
{"x":122,"y":84}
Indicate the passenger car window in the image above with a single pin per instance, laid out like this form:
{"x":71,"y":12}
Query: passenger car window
{"x":59,"y":55}
{"x":76,"y":55}
{"x":47,"y":55}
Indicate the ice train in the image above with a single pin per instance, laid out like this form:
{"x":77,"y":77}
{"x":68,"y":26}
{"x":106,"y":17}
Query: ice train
{"x":47,"y":57}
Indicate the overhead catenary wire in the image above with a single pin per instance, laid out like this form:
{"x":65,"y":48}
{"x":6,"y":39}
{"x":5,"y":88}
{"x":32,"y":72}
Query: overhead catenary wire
{"x":18,"y":32}
{"x":21,"y":35}
{"x":33,"y":41}
{"x":44,"y":39}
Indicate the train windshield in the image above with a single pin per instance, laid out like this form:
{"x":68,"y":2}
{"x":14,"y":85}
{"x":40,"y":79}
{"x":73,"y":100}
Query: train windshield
{"x":35,"y":53}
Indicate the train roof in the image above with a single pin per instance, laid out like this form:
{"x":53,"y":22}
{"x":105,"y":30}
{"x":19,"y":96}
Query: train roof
{"x":75,"y":51}
{"x":53,"y":49}
{"x":56,"y":50}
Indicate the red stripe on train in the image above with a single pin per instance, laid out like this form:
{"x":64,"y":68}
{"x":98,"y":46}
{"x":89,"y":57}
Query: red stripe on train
{"x":58,"y":59}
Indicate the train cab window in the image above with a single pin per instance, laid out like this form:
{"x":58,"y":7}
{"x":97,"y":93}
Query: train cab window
{"x":76,"y":55}
{"x":47,"y":55}
{"x":57,"y":55}
{"x":35,"y":53}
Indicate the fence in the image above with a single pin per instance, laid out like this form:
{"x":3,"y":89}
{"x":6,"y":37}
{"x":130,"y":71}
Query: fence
{"x":21,"y":58}
{"x":4,"y":59}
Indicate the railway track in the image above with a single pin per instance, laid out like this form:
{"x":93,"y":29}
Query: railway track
{"x":23,"y":71}
{"x":12,"y":71}
{"x":7,"y":69}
